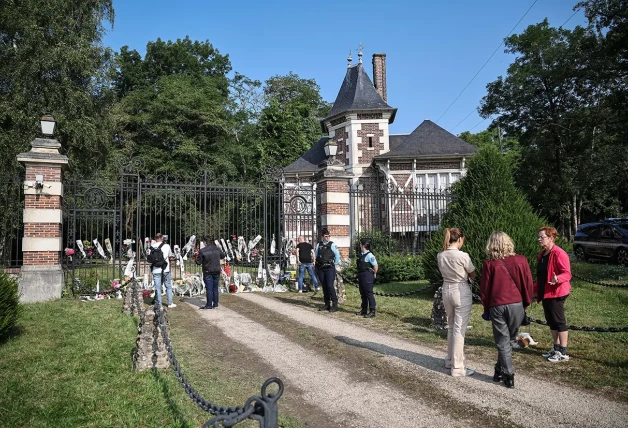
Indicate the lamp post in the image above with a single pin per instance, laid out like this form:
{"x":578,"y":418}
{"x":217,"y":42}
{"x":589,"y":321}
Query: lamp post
{"x":47,"y":125}
{"x":331,"y":148}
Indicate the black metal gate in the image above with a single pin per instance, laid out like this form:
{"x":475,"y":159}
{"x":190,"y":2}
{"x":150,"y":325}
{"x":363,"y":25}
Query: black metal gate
{"x":109,"y":222}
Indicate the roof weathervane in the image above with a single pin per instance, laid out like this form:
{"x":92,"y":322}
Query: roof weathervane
{"x":360,"y":52}
{"x":349,"y":59}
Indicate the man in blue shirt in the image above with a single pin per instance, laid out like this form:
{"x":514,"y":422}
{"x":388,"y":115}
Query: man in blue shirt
{"x":367,"y":271}
{"x":327,"y":257}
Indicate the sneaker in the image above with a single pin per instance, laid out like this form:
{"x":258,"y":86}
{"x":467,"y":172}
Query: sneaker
{"x":300,"y":291}
{"x":470,"y":372}
{"x":549,"y":353}
{"x":558,"y":357}
{"x":172,"y":305}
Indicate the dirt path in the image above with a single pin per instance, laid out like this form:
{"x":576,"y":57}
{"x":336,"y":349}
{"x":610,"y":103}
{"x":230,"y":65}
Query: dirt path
{"x":352,"y":392}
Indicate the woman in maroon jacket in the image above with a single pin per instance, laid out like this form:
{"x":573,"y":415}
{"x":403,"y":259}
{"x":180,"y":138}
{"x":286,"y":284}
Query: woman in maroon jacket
{"x":552,"y":288}
{"x":506,"y":292}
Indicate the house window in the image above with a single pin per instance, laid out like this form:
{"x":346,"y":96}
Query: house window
{"x":371,"y":142}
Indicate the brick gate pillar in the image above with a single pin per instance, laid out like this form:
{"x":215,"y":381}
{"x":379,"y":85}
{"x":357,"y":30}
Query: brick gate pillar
{"x":41,"y":276}
{"x":332,"y":205}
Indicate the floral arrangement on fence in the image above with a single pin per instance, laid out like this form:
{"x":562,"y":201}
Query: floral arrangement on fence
{"x":69,"y":252}
{"x":127,"y":248}
{"x":88,"y":248}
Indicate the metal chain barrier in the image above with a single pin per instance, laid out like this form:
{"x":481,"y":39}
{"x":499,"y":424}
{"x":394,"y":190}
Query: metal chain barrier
{"x":261,"y":408}
{"x":604,"y":284}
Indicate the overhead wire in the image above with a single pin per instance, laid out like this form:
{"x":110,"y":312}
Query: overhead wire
{"x":487,"y":61}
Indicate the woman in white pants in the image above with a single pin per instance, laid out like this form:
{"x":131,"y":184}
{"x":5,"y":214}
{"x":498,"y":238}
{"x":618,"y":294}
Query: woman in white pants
{"x":456,"y":268}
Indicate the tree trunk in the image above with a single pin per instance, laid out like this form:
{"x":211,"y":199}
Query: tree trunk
{"x":574,"y":216}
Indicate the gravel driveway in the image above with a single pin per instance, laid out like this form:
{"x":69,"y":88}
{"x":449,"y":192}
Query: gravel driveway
{"x":328,"y":384}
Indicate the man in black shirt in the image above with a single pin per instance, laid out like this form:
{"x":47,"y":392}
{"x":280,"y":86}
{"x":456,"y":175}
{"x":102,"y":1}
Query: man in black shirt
{"x":209,"y":257}
{"x":305,"y":258}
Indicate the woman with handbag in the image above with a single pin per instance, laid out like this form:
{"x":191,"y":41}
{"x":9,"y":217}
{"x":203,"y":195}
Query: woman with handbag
{"x":506,"y":292}
{"x":456,"y":268}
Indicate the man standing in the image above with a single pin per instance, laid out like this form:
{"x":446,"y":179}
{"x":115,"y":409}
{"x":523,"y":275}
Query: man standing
{"x":327,"y":257}
{"x":209,"y":257}
{"x":161,"y":268}
{"x":305,"y":257}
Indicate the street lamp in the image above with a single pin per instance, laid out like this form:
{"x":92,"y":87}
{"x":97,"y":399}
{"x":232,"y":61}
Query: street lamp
{"x":47,"y":125}
{"x":331,"y":148}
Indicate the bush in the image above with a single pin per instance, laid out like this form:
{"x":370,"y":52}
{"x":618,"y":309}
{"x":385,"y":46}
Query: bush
{"x":395,"y":268}
{"x":381,"y":243}
{"x":9,"y":303}
{"x":486,"y":200}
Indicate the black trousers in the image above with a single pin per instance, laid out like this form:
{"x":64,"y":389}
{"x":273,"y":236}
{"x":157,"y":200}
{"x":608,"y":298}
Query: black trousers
{"x":326,"y":277}
{"x":365,"y":281}
{"x":554,"y":309}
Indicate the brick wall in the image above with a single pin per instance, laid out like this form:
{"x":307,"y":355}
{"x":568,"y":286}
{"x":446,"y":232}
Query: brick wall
{"x":334,"y":209}
{"x":337,"y":231}
{"x":333,"y":186}
{"x":379,"y":74}
{"x":365,"y":130}
{"x":400,"y":166}
{"x":42,"y":230}
{"x":49,"y":173}
{"x":42,"y":201}
{"x":341,"y":138}
{"x":42,"y":258}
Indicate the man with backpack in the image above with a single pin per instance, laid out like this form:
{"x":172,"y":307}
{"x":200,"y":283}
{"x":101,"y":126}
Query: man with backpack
{"x":209,"y":258}
{"x":327,"y":257}
{"x":159,"y":258}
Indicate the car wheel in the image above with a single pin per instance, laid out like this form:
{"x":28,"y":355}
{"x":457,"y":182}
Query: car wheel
{"x":622,"y":256}
{"x":580,"y":254}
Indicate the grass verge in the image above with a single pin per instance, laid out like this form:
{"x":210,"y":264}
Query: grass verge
{"x":70,"y":365}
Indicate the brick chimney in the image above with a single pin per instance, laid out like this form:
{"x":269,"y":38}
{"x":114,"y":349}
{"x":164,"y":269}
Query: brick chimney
{"x":379,"y":74}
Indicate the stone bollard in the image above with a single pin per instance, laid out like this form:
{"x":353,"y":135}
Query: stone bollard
{"x":340,"y":289}
{"x":150,"y":349}
{"x":439,"y":316}
{"x":132,"y":294}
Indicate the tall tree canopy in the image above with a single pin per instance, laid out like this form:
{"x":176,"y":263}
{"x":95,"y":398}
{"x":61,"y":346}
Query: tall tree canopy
{"x":554,"y":101}
{"x":52,"y":61}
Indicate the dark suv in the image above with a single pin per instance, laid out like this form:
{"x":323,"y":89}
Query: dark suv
{"x":606,"y":239}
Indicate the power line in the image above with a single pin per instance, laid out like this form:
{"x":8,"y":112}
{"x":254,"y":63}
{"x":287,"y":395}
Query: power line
{"x":477,"y":124}
{"x":466,"y":117}
{"x":487,"y":61}
{"x":569,"y":19}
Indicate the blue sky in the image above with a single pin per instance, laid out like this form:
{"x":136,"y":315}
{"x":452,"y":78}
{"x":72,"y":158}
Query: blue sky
{"x":433,"y":48}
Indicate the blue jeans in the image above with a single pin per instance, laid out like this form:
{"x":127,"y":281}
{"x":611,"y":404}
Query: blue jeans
{"x":168,"y":281}
{"x":310,"y":270}
{"x":211,"y":285}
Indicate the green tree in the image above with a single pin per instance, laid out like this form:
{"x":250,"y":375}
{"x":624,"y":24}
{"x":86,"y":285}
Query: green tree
{"x":551,"y":102}
{"x":486,"y":200}
{"x":174,"y":108}
{"x":290,"y":122}
{"x":52,"y":61}
{"x":490,"y":137}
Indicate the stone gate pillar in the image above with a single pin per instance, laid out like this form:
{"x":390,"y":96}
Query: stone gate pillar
{"x":41,"y":276}
{"x":332,"y":205}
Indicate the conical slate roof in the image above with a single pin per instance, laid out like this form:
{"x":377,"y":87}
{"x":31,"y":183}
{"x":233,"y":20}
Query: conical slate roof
{"x":428,"y":140}
{"x":358,"y":93}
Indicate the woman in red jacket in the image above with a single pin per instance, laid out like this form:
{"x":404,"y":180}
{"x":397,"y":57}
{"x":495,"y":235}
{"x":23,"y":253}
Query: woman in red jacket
{"x":506,"y":291}
{"x":552,"y":287}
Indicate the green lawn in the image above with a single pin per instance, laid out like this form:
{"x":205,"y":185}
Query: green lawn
{"x":70,"y":365}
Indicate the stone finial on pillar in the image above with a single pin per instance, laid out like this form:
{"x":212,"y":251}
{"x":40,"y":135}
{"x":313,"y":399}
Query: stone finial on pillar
{"x":332,"y":204}
{"x":41,"y":276}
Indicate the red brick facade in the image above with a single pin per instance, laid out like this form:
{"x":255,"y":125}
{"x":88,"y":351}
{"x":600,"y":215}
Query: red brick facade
{"x":332,"y":186}
{"x":42,"y":230}
{"x":341,"y":138}
{"x":342,"y":209}
{"x":42,"y":201}
{"x":437,"y":165}
{"x":376,"y":143}
{"x":49,"y":173}
{"x":41,"y":258}
{"x":400,"y":166}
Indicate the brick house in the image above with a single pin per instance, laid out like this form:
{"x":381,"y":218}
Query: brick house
{"x":391,"y":182}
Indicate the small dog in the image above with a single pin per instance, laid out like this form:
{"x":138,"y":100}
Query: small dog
{"x":524,"y":340}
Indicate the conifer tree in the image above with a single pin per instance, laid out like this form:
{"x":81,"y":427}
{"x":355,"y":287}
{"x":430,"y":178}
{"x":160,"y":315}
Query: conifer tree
{"x":484,"y":201}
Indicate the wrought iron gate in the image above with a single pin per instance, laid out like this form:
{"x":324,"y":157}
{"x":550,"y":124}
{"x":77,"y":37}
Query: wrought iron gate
{"x":120,"y":215}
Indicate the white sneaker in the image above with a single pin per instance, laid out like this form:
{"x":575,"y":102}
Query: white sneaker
{"x":549,"y":353}
{"x":300,"y":291}
{"x":470,"y":372}
{"x":172,"y":305}
{"x":558,"y":357}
